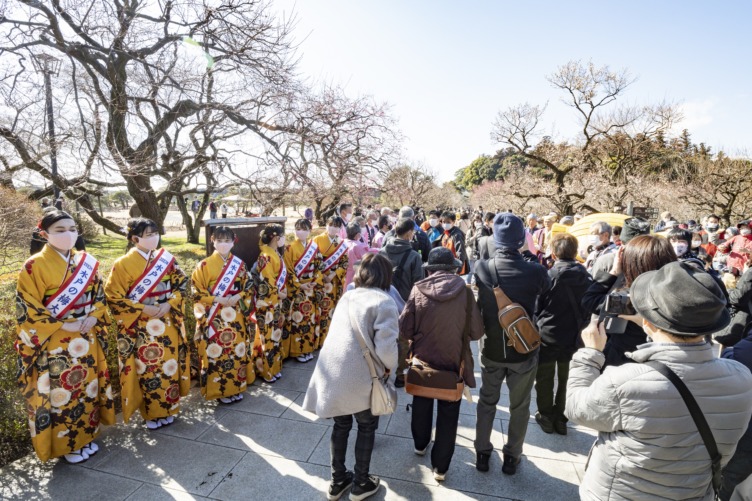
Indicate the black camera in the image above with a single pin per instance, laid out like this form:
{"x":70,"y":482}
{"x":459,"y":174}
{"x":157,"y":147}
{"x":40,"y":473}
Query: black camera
{"x":618,"y":303}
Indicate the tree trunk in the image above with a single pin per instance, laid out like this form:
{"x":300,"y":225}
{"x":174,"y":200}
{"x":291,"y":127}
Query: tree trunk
{"x":88,"y":206}
{"x":143,"y":195}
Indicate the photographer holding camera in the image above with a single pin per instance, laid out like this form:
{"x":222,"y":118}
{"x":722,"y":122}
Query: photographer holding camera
{"x":643,"y":253}
{"x":653,"y":443}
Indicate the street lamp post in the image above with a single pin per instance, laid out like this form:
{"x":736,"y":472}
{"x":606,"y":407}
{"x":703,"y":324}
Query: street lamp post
{"x":49,"y":67}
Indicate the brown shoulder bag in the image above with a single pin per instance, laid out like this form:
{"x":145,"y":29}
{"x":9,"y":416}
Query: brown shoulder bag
{"x":520,"y":330}
{"x":422,"y":380}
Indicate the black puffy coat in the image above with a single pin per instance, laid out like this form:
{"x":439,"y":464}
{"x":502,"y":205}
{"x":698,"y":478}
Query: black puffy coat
{"x":522,"y":282}
{"x":558,"y":324}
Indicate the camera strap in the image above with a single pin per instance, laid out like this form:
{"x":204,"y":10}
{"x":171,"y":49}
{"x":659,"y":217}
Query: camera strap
{"x":698,"y":417}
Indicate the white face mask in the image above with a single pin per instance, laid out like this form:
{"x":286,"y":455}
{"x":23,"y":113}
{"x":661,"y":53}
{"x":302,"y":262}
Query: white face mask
{"x":696,"y":243}
{"x":478,"y":224}
{"x":745,"y":231}
{"x":281,"y":241}
{"x":447,"y":226}
{"x":223,"y":248}
{"x":64,"y":241}
{"x":333,"y":231}
{"x":433,"y":222}
{"x":148,"y":243}
{"x":594,"y":240}
{"x":347,"y":217}
{"x":679,"y":248}
{"x":302,"y":234}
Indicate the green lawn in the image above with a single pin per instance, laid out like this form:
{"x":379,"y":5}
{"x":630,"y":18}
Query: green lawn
{"x":14,"y":435}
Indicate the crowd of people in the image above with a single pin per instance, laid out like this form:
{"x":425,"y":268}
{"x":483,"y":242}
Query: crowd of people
{"x":388,"y":291}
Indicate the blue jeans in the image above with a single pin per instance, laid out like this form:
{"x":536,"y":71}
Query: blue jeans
{"x":367,"y":426}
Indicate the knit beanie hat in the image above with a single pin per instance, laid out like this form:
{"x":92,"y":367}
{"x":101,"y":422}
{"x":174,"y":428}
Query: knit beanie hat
{"x":508,"y":231}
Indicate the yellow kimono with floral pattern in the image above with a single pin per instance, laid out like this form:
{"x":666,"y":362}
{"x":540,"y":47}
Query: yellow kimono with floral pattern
{"x":225,"y":359}
{"x":303,"y":319}
{"x":267,"y":350}
{"x":332,"y":290}
{"x":63,"y":375}
{"x":153,"y":352}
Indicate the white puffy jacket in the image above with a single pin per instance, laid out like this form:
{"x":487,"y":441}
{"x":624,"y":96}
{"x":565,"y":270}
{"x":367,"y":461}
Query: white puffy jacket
{"x":648,"y":446}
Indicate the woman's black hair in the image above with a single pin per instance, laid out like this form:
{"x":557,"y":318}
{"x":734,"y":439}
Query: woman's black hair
{"x":384,"y":221}
{"x":374,"y":271}
{"x":335,"y":221}
{"x":353,"y":231}
{"x":136,"y":228}
{"x":53,"y":217}
{"x":270,"y":231}
{"x":680,"y":234}
{"x":223,"y":232}
{"x":303,"y":224}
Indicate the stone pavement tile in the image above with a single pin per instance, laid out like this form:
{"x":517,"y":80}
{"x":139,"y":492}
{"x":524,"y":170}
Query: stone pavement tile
{"x":572,"y":447}
{"x":30,"y":479}
{"x":266,"y":435}
{"x":399,"y":426}
{"x":157,"y":493}
{"x":296,"y":412}
{"x":398,"y":490}
{"x":392,"y":457}
{"x":293,"y":378}
{"x":536,"y":479}
{"x":502,"y":408}
{"x":307,"y":366}
{"x":176,"y":463}
{"x":116,"y":438}
{"x":196,"y":416}
{"x":265,"y":400}
{"x":259,"y":476}
{"x":466,"y":432}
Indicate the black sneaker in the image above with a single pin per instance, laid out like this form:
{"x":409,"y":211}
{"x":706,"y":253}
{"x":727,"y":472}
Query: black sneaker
{"x":560,"y":427}
{"x":481,"y":461}
{"x":399,"y":382}
{"x":510,"y":464}
{"x":336,"y":490}
{"x":545,"y":422}
{"x":366,"y":489}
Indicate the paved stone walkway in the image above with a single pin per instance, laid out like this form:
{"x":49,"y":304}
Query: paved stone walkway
{"x":266,"y":448}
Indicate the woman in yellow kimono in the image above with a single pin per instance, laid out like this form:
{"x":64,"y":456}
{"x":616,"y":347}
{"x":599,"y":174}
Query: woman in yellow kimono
{"x":303,"y":261}
{"x":145,"y":292}
{"x":61,"y":345}
{"x":223,"y":300}
{"x":333,"y":270}
{"x":272,"y":278}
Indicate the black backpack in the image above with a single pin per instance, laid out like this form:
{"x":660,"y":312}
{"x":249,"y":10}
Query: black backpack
{"x":398,"y":277}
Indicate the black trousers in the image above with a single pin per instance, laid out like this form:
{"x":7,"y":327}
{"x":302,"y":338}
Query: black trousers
{"x":448,"y":414}
{"x":550,"y":360}
{"x":367,"y":426}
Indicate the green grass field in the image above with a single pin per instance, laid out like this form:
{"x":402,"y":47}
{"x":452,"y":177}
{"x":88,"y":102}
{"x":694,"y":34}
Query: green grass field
{"x":14,"y":435}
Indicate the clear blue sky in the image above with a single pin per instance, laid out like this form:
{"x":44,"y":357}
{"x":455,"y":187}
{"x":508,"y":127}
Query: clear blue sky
{"x":447,"y":67}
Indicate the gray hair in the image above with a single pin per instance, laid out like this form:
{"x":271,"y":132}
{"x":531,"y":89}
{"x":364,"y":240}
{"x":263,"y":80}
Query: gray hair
{"x":406,"y":212}
{"x":602,"y":226}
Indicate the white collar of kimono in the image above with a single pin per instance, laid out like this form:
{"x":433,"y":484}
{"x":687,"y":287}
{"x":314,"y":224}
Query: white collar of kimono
{"x":66,"y":257}
{"x":145,"y":255}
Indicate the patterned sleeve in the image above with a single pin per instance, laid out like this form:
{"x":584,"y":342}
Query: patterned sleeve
{"x":178,"y":284}
{"x":200,"y":285}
